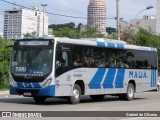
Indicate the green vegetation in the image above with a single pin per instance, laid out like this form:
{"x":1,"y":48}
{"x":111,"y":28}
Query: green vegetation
{"x":71,"y":31}
{"x":30,"y":34}
{"x":4,"y":64}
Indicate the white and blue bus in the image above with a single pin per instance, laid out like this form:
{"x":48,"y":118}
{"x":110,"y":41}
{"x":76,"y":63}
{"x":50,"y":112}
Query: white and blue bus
{"x":43,"y":67}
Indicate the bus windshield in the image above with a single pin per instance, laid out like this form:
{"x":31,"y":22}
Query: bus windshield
{"x":31,"y":61}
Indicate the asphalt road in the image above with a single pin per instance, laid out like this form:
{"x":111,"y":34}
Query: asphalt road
{"x":148,"y":101}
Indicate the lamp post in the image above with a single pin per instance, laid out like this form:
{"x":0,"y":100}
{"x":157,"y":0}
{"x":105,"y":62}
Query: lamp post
{"x":118,"y":32}
{"x":130,"y":31}
{"x":147,"y":8}
{"x":43,"y":5}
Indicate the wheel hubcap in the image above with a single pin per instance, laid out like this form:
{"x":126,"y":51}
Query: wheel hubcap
{"x":130,"y":92}
{"x":76,"y":94}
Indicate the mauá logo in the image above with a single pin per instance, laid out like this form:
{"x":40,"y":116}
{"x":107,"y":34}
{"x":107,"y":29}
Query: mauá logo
{"x":137,"y":74}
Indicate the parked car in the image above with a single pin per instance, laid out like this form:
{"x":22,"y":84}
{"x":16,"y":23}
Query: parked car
{"x":158,"y":84}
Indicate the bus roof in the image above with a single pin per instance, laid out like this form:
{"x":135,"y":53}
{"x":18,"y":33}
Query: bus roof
{"x":100,"y":42}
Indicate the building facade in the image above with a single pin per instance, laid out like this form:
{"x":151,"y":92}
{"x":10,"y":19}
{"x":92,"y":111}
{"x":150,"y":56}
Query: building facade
{"x":18,"y":22}
{"x":97,"y":15}
{"x":158,"y":18}
{"x":148,"y":23}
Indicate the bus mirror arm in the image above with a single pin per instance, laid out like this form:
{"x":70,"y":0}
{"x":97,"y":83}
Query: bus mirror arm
{"x":5,"y":51}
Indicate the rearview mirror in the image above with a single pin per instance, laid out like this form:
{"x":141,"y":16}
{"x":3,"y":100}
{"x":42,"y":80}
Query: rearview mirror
{"x":5,"y":51}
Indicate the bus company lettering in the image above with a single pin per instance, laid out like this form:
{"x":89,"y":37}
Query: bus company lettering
{"x":137,"y":74}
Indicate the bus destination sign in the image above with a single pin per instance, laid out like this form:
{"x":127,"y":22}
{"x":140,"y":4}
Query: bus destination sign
{"x":34,"y":43}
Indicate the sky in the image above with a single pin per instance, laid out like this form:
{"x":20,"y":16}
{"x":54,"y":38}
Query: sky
{"x":78,"y":8}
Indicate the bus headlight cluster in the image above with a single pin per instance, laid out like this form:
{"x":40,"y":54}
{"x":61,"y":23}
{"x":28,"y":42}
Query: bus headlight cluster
{"x":12,"y":82}
{"x":47,"y":83}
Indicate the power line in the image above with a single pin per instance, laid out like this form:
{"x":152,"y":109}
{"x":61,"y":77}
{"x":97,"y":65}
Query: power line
{"x":55,"y":19}
{"x":46,"y":12}
{"x":61,"y":15}
{"x":34,"y":19}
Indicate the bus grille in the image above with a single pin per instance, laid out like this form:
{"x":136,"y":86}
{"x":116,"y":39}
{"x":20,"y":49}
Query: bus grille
{"x":21,"y":91}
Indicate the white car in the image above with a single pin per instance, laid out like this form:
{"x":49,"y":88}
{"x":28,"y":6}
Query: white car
{"x":158,"y":84}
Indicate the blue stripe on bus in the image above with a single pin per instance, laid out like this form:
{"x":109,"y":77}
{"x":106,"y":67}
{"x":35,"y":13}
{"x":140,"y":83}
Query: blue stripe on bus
{"x":120,"y":78}
{"x":155,"y":77}
{"x":97,"y":78}
{"x":101,"y":44}
{"x":155,"y":80}
{"x":152,"y":77}
{"x":108,"y":82}
{"x":120,"y":46}
{"x":111,"y":45}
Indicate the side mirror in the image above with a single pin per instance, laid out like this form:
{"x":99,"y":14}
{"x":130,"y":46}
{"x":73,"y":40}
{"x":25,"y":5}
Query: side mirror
{"x":5,"y":51}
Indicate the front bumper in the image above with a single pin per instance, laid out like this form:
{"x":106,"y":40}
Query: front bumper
{"x":47,"y":91}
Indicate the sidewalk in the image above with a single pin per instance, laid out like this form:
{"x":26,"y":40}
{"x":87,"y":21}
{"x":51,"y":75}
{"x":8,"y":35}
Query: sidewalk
{"x":2,"y":93}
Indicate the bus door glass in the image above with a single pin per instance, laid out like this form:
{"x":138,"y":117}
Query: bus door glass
{"x":62,"y":59}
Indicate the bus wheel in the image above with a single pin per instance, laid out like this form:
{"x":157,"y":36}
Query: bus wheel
{"x":97,"y":97}
{"x":39,"y":99}
{"x":76,"y":95}
{"x":130,"y":92}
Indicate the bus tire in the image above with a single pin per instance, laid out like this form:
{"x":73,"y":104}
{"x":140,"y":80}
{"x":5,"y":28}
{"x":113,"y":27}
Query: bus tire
{"x":97,"y":97}
{"x":39,"y":99}
{"x":75,"y":99}
{"x":130,"y":92}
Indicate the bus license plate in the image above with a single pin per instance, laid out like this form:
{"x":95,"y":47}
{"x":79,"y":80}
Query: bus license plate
{"x":27,"y":94}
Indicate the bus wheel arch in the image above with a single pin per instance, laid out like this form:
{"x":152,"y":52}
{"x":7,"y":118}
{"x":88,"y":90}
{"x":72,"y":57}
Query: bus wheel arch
{"x":133,"y":83}
{"x":81,"y":85}
{"x":78,"y":90}
{"x":129,"y":95}
{"x":131,"y":88}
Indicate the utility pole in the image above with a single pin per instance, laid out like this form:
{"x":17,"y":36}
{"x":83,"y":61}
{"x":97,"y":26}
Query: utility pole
{"x":118,"y":34}
{"x":43,"y":5}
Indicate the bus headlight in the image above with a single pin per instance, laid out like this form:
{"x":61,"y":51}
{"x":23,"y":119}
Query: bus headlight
{"x":12,"y":82}
{"x":47,"y":83}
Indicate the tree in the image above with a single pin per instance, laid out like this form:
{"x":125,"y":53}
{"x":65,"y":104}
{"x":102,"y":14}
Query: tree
{"x":30,"y":34}
{"x":56,"y":27}
{"x":4,"y":64}
{"x":79,"y":26}
{"x":91,"y":32}
{"x":67,"y":32}
{"x":110,"y":30}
